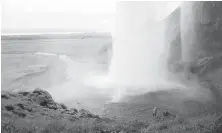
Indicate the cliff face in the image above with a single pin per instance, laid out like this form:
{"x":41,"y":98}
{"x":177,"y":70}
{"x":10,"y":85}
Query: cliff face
{"x":172,"y":37}
{"x":200,"y":29}
{"x":193,"y":34}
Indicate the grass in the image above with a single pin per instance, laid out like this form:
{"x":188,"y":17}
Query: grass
{"x":204,"y":124}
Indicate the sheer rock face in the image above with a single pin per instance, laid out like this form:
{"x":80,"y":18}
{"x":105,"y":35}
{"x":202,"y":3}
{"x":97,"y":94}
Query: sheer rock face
{"x":193,"y":32}
{"x":200,"y":29}
{"x":172,"y":37}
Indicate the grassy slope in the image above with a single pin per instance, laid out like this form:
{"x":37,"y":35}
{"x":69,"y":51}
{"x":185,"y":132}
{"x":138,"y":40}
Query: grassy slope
{"x":52,"y":122}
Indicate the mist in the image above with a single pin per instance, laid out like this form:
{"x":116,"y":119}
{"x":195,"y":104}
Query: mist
{"x":138,"y":58}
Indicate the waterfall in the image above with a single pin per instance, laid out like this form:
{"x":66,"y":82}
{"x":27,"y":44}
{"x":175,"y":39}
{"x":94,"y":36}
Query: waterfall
{"x":138,"y":59}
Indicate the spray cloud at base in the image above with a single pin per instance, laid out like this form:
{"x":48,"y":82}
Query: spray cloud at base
{"x":138,"y":59}
{"x":139,"y":53}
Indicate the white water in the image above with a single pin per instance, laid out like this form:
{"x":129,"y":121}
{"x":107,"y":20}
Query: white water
{"x":85,"y":82}
{"x":137,"y":63}
{"x":138,"y":50}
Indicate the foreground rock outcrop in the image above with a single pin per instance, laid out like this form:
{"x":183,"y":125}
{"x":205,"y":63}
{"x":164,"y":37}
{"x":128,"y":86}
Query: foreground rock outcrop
{"x":39,"y":102}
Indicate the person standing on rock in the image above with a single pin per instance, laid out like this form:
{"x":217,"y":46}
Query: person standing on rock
{"x":154,"y":111}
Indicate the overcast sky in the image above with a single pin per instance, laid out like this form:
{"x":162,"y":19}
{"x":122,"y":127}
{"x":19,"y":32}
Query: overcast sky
{"x":70,"y":15}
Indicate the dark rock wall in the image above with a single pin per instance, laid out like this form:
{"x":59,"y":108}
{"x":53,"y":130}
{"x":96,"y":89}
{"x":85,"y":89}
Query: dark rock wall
{"x":172,"y":37}
{"x":200,"y":29}
{"x":194,"y":31}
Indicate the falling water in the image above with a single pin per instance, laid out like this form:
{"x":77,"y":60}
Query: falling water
{"x":138,"y":48}
{"x":138,"y":51}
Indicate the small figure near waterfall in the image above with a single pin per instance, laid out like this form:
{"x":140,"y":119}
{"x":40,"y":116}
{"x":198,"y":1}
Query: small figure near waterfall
{"x":154,"y":111}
